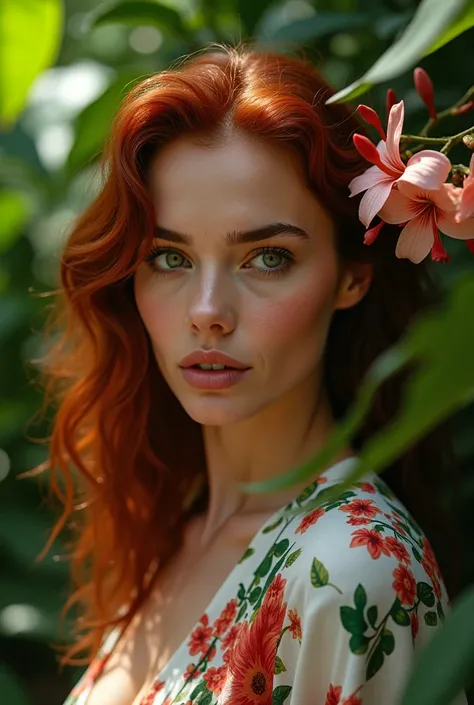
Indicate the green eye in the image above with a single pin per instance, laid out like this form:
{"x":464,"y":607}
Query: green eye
{"x":272,"y":259}
{"x":170,"y":260}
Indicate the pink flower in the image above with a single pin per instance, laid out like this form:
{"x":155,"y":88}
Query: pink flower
{"x":427,"y":169}
{"x":425,"y":214}
{"x":466,"y":203}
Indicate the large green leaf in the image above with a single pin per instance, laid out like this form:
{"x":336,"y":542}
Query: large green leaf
{"x":446,"y":665}
{"x":141,"y":12}
{"x":93,"y":124}
{"x":319,"y":25}
{"x":30,"y":36}
{"x":441,"y":347}
{"x":432,"y":20}
{"x":464,"y":22}
{"x":14,"y":213}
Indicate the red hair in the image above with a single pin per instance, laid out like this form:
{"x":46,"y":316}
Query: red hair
{"x":125,"y":460}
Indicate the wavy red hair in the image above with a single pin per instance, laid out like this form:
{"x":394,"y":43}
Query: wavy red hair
{"x":125,"y":461}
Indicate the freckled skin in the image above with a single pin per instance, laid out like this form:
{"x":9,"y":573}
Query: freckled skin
{"x":220,"y":298}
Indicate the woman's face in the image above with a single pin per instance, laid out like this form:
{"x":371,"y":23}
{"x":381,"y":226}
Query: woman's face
{"x":244,"y":265}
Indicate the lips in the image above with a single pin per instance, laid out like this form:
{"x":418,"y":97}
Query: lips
{"x":212,"y":357}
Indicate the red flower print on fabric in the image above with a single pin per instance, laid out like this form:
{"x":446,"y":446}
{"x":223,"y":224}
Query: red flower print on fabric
{"x":397,"y":549}
{"x":295,"y":624}
{"x":190,"y":672}
{"x":367,"y":487}
{"x":226,"y":618}
{"x":199,"y":641}
{"x":150,"y":697}
{"x":415,"y":625}
{"x":309,"y":520}
{"x":358,"y":521}
{"x":372,"y":539}
{"x":92,"y":673}
{"x":404,"y":584}
{"x":430,"y":564}
{"x":253,"y":659}
{"x":215,"y":679}
{"x":333,"y":695}
{"x":361,"y":508}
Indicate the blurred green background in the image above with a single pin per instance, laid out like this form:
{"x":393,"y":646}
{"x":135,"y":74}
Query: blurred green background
{"x":48,"y":174}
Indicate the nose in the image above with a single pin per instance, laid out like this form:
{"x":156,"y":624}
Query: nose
{"x":211,"y":311}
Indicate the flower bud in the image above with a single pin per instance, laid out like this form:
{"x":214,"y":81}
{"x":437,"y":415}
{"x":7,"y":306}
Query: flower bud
{"x":438,"y":252}
{"x":390,"y":100}
{"x":462,"y":109}
{"x":468,"y":141}
{"x":372,"y":234}
{"x":425,"y":90}
{"x":369,"y":115}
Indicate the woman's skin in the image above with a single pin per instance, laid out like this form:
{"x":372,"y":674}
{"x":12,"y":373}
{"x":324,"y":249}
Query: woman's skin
{"x":213,"y":294}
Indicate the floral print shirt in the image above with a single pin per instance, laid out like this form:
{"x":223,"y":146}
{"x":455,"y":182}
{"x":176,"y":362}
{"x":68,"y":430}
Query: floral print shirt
{"x":326,"y":607}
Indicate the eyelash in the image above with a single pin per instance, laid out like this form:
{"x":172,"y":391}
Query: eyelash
{"x":284,"y":253}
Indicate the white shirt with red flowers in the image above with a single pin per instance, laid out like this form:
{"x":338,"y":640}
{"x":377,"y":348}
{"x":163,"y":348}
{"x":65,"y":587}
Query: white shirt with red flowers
{"x":327,"y":606}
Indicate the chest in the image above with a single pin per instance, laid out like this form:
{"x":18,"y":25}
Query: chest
{"x":179,"y":599}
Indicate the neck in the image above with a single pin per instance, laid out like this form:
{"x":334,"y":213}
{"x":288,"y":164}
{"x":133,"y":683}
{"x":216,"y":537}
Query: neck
{"x":265,"y":446}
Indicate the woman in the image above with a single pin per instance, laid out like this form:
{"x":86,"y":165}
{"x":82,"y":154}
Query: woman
{"x":220,"y":309}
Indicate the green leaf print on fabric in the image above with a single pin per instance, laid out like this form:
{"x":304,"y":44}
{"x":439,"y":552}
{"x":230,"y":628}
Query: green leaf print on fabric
{"x":273,"y":526}
{"x":279,"y":666}
{"x":280,"y":694}
{"x":431,"y":619}
{"x":249,"y":552}
{"x":425,"y":594}
{"x":293,"y":557}
{"x":372,"y":614}
{"x":375,"y":662}
{"x":320,"y":576}
{"x":399,"y":614}
{"x":280,"y":547}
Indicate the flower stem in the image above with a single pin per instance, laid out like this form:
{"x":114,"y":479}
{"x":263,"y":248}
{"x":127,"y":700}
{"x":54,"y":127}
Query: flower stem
{"x":446,"y":113}
{"x":447,"y":142}
{"x":455,"y":139}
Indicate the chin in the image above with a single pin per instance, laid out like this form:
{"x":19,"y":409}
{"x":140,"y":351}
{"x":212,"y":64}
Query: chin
{"x":215,"y":410}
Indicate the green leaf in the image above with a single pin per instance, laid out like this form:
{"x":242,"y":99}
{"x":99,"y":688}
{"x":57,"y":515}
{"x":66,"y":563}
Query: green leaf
{"x":431,"y":619}
{"x":279,"y":666}
{"x":13,"y":691}
{"x":241,"y":612}
{"x":198,"y":689}
{"x":280,"y":694}
{"x":141,"y":12}
{"x":292,"y":557}
{"x":264,"y":566}
{"x":280,"y":548}
{"x":14,"y":214}
{"x":94,"y":122}
{"x":360,"y":598}
{"x":399,"y":614}
{"x":464,"y":22}
{"x":387,"y":641}
{"x":254,"y":595}
{"x":319,"y":574}
{"x":446,"y":665}
{"x":241,"y":592}
{"x":319,"y":25}
{"x":432,"y":20}
{"x":375,"y":662}
{"x":440,"y":611}
{"x":206,"y":698}
{"x":425,"y":593}
{"x":372,"y":615}
{"x":359,"y":644}
{"x":352,"y":620}
{"x":30,"y":36}
{"x":273,"y":526}
{"x":249,"y":552}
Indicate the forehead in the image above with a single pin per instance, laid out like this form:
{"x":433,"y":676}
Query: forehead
{"x":236,"y":183}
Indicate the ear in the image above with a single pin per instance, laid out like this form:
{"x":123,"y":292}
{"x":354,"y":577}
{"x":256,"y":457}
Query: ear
{"x":354,"y":283}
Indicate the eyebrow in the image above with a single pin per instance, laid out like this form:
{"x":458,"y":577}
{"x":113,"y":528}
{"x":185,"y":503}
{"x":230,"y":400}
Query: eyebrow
{"x":238,"y":237}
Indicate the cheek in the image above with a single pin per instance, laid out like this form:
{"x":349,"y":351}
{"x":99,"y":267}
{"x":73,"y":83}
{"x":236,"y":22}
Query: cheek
{"x":297,"y":322}
{"x":158,"y":316}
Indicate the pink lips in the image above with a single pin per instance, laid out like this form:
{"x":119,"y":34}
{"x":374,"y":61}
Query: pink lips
{"x":212,"y":379}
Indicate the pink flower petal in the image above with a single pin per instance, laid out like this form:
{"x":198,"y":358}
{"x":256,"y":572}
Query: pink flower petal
{"x":461,"y":231}
{"x":444,"y":198}
{"x":398,"y":208}
{"x":427,"y":169}
{"x":371,"y":177}
{"x":391,"y":154}
{"x":466,"y":207}
{"x":416,"y":239}
{"x":373,"y":200}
